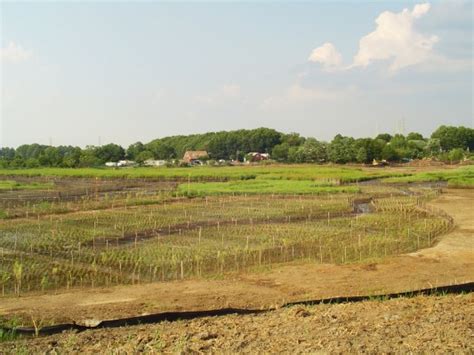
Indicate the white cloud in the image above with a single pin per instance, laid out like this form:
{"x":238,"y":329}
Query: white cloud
{"x":420,"y":9}
{"x":396,"y":38}
{"x":327,"y":55}
{"x":14,"y":53}
{"x":225,"y":93}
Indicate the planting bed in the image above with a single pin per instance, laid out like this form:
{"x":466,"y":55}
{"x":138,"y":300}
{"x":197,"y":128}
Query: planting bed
{"x":52,"y":195}
{"x":92,"y":232}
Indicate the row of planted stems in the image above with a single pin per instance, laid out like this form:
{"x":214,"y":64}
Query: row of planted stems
{"x":395,"y":227}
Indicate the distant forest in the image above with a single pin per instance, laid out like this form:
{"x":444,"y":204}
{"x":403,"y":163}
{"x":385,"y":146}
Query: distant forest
{"x":447,"y":143}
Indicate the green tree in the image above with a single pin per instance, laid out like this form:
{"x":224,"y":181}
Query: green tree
{"x":389,"y":153}
{"x":51,"y":156}
{"x":385,"y":137}
{"x":361,"y":155}
{"x":295,"y":154}
{"x":32,"y":163}
{"x":313,"y":151}
{"x":109,"y":152}
{"x":342,"y":150}
{"x":454,"y":137}
{"x":7,"y":153}
{"x":368,"y":149}
{"x":416,"y":148}
{"x":414,"y":136}
{"x":398,"y":141}
{"x":292,"y":139}
{"x":89,"y":158}
{"x":17,"y":162}
{"x":71,"y":157}
{"x":134,"y":149}
{"x":161,"y":150}
{"x":433,"y":146}
{"x":263,"y":139}
{"x":280,"y":152}
{"x":218,"y":147}
{"x":144,"y":155}
{"x":27,"y":151}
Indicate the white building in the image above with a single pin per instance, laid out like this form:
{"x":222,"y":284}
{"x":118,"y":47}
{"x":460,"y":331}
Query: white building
{"x":152,"y":162}
{"x":126,"y":163}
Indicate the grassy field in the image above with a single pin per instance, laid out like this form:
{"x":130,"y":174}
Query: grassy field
{"x":274,"y":172}
{"x":460,"y":177}
{"x":328,"y":174}
{"x":14,"y":185}
{"x":262,"y":187}
{"x":461,"y":182}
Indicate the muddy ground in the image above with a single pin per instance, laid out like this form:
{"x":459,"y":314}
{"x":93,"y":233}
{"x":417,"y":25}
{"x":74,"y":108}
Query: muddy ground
{"x":430,"y":324}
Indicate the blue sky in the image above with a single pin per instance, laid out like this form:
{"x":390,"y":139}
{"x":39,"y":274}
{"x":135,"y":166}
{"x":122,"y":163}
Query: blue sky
{"x":134,"y":71}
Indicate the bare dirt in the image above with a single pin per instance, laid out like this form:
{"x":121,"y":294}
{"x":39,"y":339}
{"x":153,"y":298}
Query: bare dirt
{"x":450,"y":261}
{"x":418,"y":325}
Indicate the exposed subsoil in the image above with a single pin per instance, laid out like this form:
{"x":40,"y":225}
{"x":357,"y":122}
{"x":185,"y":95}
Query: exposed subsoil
{"x":429,"y":324}
{"x":450,"y":261}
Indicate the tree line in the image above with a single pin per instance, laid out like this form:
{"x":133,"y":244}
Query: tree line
{"x":447,"y":143}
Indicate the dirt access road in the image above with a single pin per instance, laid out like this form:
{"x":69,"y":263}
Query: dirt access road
{"x":450,"y":261}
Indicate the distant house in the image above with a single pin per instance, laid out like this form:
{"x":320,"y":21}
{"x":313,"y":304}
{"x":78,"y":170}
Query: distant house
{"x":126,"y":163}
{"x":152,"y":162}
{"x":255,"y":156}
{"x":120,"y":163}
{"x":195,"y":156}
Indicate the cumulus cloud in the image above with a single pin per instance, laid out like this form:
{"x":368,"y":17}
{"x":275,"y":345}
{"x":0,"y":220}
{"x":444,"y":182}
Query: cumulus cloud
{"x":327,"y":55}
{"x":397,"y":39}
{"x":14,"y":53}
{"x":420,"y":9}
